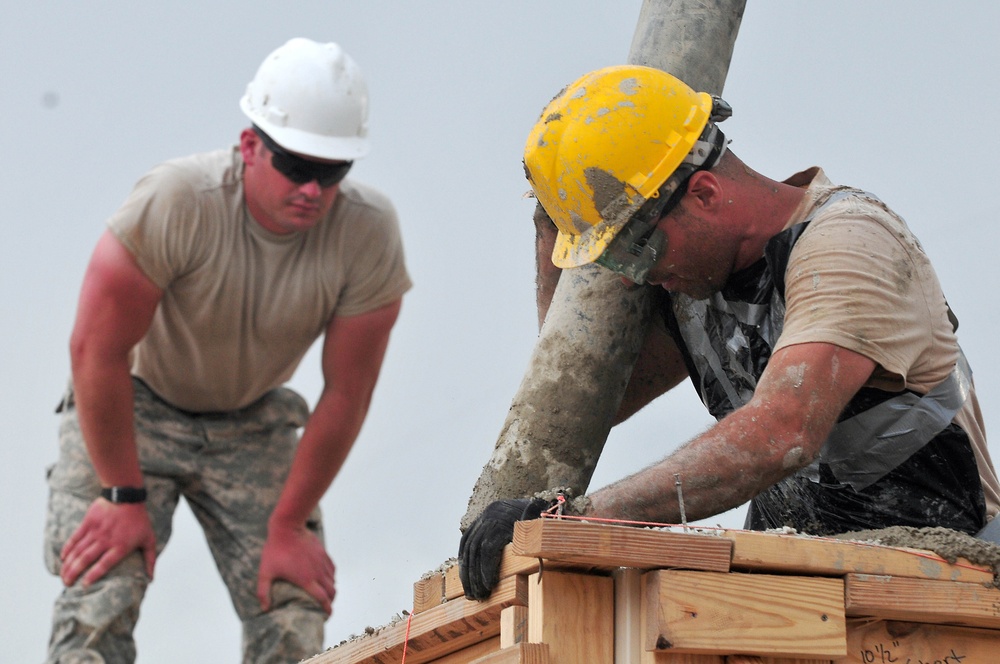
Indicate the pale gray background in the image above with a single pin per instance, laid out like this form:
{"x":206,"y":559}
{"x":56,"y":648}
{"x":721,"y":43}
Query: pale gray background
{"x":896,"y":97}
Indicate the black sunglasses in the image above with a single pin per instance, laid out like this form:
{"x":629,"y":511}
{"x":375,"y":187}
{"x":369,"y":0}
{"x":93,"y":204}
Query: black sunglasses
{"x":299,"y":170}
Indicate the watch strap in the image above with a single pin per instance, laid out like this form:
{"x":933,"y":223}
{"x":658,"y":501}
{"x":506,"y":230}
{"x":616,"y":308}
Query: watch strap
{"x":124,"y":494}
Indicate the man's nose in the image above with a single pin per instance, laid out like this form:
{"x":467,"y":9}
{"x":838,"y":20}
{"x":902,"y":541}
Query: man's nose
{"x":310,"y":189}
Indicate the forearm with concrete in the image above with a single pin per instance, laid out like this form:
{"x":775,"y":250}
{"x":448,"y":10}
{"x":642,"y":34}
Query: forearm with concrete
{"x":782,"y":429}
{"x":718,"y":470}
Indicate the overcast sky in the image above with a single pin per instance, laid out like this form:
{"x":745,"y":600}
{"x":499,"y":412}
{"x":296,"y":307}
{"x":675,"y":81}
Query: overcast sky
{"x":896,"y":97}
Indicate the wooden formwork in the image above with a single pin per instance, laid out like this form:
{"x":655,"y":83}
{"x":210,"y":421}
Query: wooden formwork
{"x":576,"y":592}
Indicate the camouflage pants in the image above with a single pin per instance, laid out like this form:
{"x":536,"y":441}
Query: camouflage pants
{"x":230,"y":467}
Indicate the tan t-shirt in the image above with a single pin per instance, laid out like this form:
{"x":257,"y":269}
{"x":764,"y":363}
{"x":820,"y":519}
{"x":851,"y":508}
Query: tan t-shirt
{"x":858,"y":278}
{"x":242,"y":305}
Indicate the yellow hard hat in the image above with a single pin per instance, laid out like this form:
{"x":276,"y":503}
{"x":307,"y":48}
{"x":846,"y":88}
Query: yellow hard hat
{"x":607,"y":144}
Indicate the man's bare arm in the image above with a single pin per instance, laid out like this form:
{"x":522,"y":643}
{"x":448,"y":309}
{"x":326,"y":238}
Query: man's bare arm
{"x":117,"y":303}
{"x":782,"y":429}
{"x":353,"y":350}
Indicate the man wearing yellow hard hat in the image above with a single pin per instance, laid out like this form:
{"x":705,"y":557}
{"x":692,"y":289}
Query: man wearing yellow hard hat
{"x":806,"y":314}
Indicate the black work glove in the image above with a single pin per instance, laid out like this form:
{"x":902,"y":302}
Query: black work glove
{"x":481,"y":547}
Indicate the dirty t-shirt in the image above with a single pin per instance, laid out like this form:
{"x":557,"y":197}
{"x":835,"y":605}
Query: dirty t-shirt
{"x":858,"y":278}
{"x":241,"y":305}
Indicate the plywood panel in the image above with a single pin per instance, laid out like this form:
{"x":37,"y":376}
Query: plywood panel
{"x":888,"y":641}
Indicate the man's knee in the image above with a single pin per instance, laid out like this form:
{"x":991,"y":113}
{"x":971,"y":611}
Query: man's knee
{"x":291,"y":631}
{"x":95,"y":624}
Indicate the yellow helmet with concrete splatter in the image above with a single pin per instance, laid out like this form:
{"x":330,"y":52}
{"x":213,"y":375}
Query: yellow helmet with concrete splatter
{"x":610,"y":143}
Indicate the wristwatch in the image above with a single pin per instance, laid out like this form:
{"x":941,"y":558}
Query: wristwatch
{"x":124,"y":494}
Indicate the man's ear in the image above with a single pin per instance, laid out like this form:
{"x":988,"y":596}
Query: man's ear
{"x":704,"y":190}
{"x":249,"y":145}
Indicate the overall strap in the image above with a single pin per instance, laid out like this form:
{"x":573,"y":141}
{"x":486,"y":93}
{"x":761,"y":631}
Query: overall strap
{"x":862,"y":449}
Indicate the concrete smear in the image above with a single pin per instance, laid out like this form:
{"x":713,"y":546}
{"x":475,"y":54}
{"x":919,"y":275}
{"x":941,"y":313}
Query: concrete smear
{"x":949,"y":544}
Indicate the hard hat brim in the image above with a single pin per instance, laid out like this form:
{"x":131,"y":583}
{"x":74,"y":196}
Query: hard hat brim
{"x":573,"y":250}
{"x":334,"y":148}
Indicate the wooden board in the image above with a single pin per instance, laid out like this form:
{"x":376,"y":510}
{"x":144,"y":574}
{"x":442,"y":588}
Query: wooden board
{"x":513,"y":626}
{"x":428,"y":592}
{"x":920,"y":600}
{"x":573,"y":615}
{"x":522,"y":653}
{"x":440,"y":587}
{"x":754,"y":659}
{"x":434,"y":633}
{"x":634,"y":591}
{"x":667,"y":658}
{"x":469,"y":655}
{"x":602,"y":546}
{"x":453,"y":582}
{"x":887,"y":641}
{"x":799,"y":554}
{"x":753,"y":614}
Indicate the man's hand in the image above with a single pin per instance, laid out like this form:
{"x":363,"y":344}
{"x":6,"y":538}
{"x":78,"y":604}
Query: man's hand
{"x":481,"y":547}
{"x":107,"y":534}
{"x":296,"y":555}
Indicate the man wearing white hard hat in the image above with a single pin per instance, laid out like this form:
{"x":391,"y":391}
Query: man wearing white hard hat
{"x":207,"y":288}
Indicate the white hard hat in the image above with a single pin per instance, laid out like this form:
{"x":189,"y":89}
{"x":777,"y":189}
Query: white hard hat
{"x":311,"y":99}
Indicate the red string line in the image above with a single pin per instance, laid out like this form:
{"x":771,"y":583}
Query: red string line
{"x":650,"y":524}
{"x":406,"y":638}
